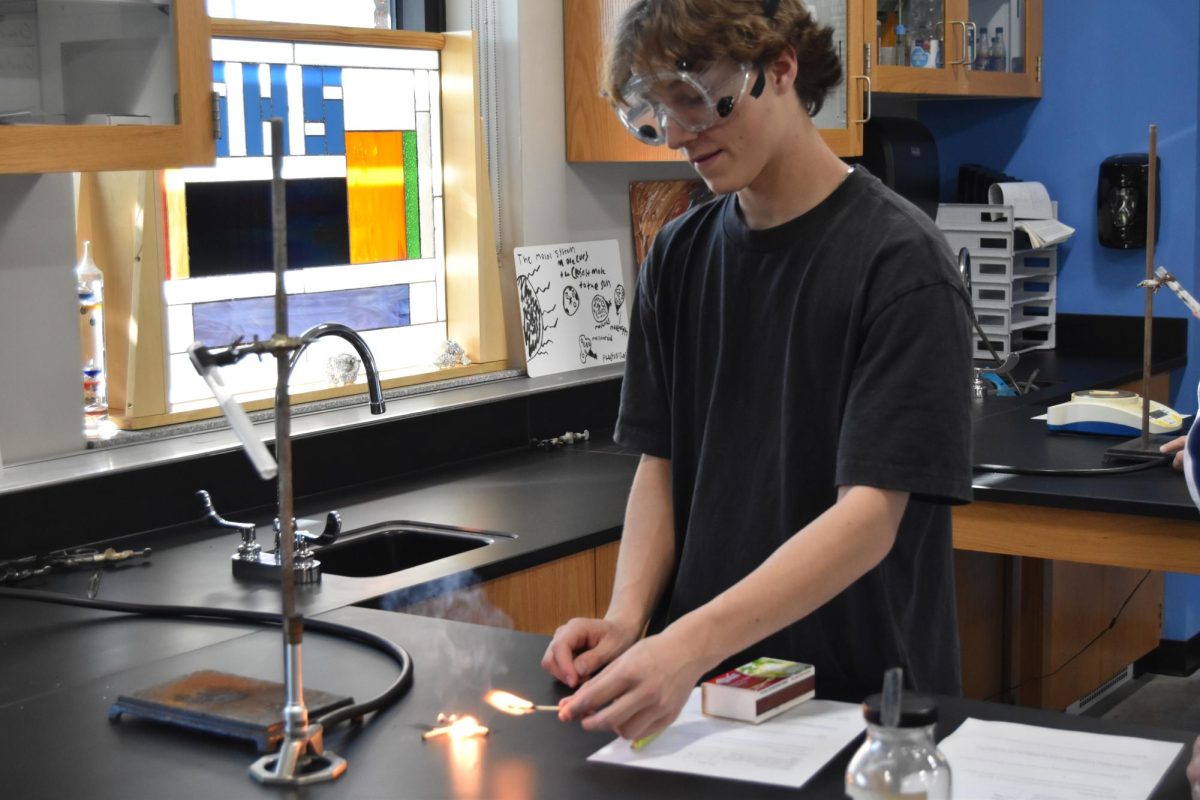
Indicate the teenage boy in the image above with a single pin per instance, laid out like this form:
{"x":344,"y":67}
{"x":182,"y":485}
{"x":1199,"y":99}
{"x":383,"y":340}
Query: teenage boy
{"x":797,"y":379}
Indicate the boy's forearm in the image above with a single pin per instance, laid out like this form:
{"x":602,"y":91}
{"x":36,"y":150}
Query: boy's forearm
{"x":647,"y":551}
{"x":807,"y":571}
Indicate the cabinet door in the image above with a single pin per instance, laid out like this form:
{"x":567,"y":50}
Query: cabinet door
{"x":595,"y":134}
{"x":1008,"y":60}
{"x":107,"y":85}
{"x":984,"y":48}
{"x":917,"y":46}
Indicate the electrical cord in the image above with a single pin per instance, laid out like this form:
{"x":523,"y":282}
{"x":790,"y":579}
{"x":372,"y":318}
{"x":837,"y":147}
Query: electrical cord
{"x":1112,"y":623}
{"x":398,"y":688}
{"x":1073,"y":471}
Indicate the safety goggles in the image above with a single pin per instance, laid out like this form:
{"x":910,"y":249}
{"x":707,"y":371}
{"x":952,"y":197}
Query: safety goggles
{"x":693,"y":100}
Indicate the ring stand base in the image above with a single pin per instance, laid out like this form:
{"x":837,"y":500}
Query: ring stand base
{"x":223,"y":704}
{"x":1141,"y":449}
{"x":299,"y":762}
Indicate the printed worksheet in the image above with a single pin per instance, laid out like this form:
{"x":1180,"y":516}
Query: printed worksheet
{"x":786,"y":750}
{"x":1010,"y":761}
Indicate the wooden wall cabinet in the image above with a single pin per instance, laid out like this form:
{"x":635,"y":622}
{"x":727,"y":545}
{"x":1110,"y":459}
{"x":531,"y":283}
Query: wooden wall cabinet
{"x":1020,"y":74}
{"x":93,"y":147}
{"x":595,"y":134}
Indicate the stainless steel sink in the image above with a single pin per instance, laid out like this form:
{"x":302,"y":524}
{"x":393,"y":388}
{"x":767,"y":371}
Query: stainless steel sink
{"x":394,"y":546}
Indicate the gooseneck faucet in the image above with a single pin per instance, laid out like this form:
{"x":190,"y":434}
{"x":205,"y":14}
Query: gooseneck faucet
{"x":360,"y":346}
{"x":979,"y":387}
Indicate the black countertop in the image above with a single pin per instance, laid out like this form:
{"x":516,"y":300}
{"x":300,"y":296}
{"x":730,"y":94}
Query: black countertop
{"x":1006,"y":433}
{"x":59,"y":743}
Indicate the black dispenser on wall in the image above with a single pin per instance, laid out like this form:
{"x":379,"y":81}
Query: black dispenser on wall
{"x":902,"y":153}
{"x":1121,"y":200}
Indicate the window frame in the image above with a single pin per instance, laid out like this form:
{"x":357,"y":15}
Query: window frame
{"x":136,"y":324}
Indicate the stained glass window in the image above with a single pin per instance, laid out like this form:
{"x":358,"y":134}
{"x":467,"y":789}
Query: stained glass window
{"x":362,"y":165}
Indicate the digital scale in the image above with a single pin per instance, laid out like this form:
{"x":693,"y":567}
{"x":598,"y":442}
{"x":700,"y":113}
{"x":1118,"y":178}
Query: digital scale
{"x":1111,"y":412}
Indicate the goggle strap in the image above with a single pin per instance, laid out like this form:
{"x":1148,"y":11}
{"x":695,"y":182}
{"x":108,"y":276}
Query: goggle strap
{"x":760,"y":83}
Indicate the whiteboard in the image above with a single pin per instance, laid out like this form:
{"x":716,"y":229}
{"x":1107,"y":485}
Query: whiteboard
{"x":574,"y":306}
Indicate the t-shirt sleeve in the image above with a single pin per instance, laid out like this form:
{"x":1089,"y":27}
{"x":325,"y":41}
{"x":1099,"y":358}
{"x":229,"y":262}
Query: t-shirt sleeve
{"x":907,"y":423}
{"x":644,"y":419}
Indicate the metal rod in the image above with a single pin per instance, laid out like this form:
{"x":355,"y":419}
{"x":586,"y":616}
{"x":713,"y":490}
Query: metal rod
{"x":295,"y":714}
{"x":1148,"y":316}
{"x":302,"y":758}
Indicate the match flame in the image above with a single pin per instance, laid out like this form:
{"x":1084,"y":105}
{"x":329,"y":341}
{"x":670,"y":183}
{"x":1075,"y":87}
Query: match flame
{"x":457,"y":729}
{"x":508,"y":702}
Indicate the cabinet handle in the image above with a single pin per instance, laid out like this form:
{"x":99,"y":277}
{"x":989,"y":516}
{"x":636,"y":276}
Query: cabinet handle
{"x":867,"y":117}
{"x":962,"y":60}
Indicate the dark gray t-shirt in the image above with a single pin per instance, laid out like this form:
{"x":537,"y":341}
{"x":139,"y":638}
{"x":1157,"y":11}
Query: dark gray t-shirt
{"x":771,"y":367}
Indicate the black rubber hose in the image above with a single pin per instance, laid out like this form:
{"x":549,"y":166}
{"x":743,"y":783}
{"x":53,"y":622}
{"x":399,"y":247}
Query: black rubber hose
{"x":398,"y":689}
{"x":1075,"y":472}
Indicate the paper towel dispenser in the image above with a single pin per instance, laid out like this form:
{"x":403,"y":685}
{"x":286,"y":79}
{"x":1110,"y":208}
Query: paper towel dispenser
{"x":901,"y":152}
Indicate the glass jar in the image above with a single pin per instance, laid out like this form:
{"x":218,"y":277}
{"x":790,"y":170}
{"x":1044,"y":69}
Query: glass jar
{"x":902,"y":762}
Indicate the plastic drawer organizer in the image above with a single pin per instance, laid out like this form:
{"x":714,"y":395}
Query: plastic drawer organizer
{"x":1012,"y":288}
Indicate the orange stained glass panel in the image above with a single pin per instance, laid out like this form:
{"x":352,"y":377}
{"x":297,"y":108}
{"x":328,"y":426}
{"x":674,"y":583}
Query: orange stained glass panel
{"x":375,"y":195}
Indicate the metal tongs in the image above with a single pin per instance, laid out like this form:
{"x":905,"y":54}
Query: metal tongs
{"x":19,"y":569}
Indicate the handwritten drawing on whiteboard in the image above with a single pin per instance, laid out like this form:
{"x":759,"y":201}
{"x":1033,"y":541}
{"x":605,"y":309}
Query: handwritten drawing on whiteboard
{"x":573,"y":305}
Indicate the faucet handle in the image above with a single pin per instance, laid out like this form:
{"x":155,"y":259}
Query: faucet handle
{"x":249,"y":547}
{"x":333,"y":527}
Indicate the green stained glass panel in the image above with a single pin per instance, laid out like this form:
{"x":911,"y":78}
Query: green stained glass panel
{"x":412,"y":210}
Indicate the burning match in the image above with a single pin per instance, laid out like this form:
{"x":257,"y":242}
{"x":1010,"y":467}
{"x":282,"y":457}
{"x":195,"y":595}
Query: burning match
{"x":510,"y":703}
{"x":457,"y":728}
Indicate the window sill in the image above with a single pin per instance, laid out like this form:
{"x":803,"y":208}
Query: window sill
{"x":211,"y":437}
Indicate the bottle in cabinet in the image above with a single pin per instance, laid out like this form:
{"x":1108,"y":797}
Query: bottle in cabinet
{"x":999,"y":57}
{"x":983,"y":50}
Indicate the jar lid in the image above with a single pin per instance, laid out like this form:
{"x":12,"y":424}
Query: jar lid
{"x":916,"y":710}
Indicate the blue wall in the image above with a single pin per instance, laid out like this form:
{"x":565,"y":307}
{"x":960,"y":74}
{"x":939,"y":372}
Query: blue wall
{"x":1111,"y":68}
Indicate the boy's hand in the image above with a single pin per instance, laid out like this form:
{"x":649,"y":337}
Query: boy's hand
{"x":583,"y":646}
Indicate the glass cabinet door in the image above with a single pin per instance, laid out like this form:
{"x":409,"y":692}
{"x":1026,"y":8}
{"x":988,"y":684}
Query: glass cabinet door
{"x":99,"y":62}
{"x":999,"y":41}
{"x":840,"y":118}
{"x":104,"y":84}
{"x":917,"y":46}
{"x":1007,"y":47}
{"x":956,"y":47}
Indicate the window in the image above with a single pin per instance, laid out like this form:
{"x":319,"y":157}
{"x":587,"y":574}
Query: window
{"x":378,"y":237}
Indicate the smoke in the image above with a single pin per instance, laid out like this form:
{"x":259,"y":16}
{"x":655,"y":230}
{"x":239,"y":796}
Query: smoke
{"x":472,"y":660}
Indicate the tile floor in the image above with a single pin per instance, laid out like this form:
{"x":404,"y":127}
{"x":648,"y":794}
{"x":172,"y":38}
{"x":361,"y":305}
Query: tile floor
{"x":1162,"y":700}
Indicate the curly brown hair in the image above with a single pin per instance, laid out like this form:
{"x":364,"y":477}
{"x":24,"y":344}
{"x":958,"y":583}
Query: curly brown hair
{"x":654,"y":32}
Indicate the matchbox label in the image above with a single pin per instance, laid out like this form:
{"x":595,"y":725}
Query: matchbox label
{"x":737,"y":680}
{"x":762,"y":674}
